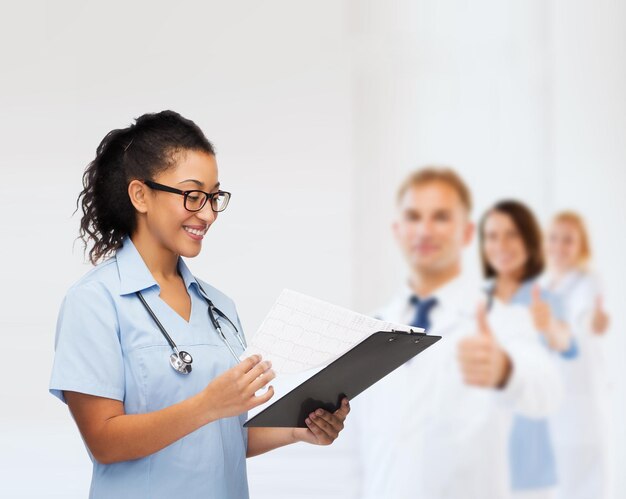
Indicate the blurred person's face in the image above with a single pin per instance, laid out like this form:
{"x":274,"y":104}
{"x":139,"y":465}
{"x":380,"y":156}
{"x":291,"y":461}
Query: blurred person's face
{"x":432,"y":227}
{"x":503,"y":245}
{"x":564,"y":246}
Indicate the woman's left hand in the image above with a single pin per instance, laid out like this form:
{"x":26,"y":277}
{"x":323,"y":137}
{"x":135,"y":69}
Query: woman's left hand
{"x":323,"y":427}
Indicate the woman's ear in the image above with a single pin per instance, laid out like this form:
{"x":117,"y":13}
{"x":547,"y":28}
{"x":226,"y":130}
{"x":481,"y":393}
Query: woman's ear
{"x":137,"y":191}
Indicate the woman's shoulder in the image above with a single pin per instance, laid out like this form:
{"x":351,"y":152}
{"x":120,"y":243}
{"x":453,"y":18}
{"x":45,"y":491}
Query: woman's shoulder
{"x":585,"y":288}
{"x":590,"y":279}
{"x":93,"y":296}
{"x":102,"y":278}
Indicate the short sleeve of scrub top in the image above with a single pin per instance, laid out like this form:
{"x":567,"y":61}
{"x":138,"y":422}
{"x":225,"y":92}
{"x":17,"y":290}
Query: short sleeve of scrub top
{"x":107,"y":345}
{"x":88,"y":356}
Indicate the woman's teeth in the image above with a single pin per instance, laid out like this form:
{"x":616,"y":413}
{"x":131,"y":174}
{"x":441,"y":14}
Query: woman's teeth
{"x":195,"y":232}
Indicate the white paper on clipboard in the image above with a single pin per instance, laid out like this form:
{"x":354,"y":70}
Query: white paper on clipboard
{"x":301,"y":332}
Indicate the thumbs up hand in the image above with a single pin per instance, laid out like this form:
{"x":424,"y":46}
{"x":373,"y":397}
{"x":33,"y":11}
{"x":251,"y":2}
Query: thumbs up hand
{"x":599,"y":319}
{"x":540,"y":311}
{"x":557,"y":333}
{"x":482,"y":361}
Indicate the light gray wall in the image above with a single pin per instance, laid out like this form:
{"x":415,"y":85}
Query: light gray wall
{"x":317,"y":111}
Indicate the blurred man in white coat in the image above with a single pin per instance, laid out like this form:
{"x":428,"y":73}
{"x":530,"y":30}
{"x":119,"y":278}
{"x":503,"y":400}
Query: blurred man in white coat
{"x":438,"y":426}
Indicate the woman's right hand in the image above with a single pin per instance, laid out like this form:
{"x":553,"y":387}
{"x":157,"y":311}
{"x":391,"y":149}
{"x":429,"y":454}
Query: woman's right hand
{"x":234,"y":391}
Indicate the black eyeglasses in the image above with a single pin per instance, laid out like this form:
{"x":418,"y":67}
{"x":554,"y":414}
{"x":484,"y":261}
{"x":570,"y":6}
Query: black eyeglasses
{"x":195,"y":199}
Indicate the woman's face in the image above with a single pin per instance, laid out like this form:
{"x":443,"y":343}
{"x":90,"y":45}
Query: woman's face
{"x":167,"y":220}
{"x":503,"y":246}
{"x":564,"y":246}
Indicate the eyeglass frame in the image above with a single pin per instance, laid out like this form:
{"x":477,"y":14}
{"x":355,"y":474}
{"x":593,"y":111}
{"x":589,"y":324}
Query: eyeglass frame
{"x":208,"y":195}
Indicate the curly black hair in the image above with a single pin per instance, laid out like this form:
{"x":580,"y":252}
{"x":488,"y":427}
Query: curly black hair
{"x":145,"y":148}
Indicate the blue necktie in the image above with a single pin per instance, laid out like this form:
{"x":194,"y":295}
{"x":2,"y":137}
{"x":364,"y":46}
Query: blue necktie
{"x":422,"y":312}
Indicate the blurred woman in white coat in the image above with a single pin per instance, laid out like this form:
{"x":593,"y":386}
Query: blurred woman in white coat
{"x":580,"y":430}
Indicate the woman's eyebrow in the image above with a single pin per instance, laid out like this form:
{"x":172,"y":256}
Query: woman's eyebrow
{"x":197,"y":182}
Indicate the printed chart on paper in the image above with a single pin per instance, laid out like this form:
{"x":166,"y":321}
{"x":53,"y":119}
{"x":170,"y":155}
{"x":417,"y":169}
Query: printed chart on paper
{"x":301,"y":332}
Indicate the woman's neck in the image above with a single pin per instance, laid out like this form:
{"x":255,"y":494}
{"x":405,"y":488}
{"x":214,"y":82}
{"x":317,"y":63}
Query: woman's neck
{"x":161,"y":262}
{"x":506,"y":286}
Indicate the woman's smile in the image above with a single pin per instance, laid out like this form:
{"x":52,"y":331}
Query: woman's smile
{"x":196,"y":232}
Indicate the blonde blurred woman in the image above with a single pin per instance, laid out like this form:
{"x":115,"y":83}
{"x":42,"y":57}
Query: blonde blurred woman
{"x":580,"y":429}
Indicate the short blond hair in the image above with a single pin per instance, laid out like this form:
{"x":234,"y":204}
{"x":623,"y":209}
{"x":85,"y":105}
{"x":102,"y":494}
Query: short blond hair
{"x":577,"y":221}
{"x":445,"y":175}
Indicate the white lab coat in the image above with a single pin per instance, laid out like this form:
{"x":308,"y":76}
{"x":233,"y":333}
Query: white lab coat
{"x":422,"y":433}
{"x":580,"y":429}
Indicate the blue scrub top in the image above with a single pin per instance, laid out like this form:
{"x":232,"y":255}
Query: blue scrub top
{"x":107,"y":345}
{"x":532,"y":462}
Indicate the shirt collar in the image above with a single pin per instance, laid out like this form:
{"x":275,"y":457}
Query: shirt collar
{"x":186,"y":274}
{"x":454,"y":293}
{"x":456,"y":300}
{"x":523,"y":295}
{"x":134,"y":273}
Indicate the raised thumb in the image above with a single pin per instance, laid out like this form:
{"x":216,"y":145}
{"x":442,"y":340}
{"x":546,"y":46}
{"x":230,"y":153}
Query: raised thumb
{"x":536,"y":294}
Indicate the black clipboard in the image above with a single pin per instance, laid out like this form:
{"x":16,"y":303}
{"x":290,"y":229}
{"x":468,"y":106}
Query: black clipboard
{"x":348,"y":376}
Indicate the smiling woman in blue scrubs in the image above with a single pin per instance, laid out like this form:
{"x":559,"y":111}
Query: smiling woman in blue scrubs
{"x":152,"y":431}
{"x":512,"y":259}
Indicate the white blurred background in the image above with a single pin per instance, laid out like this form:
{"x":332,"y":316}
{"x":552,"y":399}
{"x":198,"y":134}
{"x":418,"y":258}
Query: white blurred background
{"x":317,"y":110}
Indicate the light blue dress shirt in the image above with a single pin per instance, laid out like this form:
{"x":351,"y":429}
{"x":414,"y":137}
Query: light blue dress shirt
{"x":532,"y":462}
{"x":107,"y":345}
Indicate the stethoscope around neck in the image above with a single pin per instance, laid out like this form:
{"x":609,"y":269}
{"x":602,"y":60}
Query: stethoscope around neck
{"x":179,"y":359}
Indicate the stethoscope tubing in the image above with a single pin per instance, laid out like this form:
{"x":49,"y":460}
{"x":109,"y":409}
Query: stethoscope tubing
{"x":212,"y":311}
{"x":157,"y":322}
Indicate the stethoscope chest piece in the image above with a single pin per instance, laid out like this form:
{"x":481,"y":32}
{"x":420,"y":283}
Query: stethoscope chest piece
{"x":181,"y":362}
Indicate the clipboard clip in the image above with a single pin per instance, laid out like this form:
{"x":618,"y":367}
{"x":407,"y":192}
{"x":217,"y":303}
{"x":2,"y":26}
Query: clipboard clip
{"x":418,"y":335}
{"x":419,"y":331}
